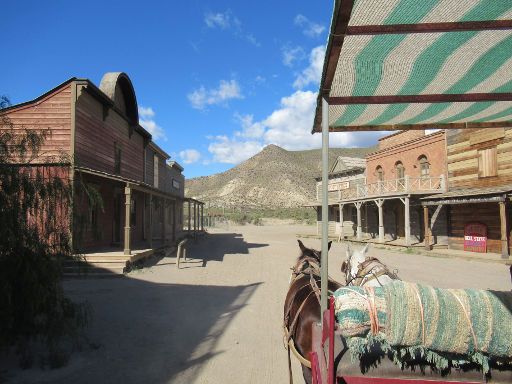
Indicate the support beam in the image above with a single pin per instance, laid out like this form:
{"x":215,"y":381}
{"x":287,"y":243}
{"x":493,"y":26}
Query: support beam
{"x":359,"y":234}
{"x":189,"y":216}
{"x":503,"y":225}
{"x":380,"y":203}
{"x":325,"y":207}
{"x":164,"y":221}
{"x":407,"y":221}
{"x":202,"y":217}
{"x":174,"y":215}
{"x":150,"y":236}
{"x":127,"y":217}
{"x":341,"y":221}
{"x":426,"y":227}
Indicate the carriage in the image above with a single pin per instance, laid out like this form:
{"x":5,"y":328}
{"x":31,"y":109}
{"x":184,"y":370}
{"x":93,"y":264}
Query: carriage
{"x":405,"y":65}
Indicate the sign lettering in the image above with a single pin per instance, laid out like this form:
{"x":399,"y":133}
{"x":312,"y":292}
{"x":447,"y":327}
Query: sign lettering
{"x":475,"y":237}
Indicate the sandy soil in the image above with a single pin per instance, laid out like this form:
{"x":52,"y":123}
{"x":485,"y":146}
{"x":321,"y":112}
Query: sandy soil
{"x":218,"y":319}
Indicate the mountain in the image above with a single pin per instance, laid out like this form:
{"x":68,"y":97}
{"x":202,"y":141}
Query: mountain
{"x":272,"y":178}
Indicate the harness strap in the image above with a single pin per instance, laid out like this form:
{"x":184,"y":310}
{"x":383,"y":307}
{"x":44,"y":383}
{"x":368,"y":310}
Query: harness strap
{"x":291,"y":345}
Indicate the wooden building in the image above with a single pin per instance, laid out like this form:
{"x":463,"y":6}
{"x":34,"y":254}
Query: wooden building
{"x":480,"y":183}
{"x":96,"y":135}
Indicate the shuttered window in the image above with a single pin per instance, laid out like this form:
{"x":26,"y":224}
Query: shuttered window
{"x":487,"y":162}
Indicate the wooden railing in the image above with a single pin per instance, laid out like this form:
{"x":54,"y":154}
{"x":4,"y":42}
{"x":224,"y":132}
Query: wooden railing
{"x":388,"y":187}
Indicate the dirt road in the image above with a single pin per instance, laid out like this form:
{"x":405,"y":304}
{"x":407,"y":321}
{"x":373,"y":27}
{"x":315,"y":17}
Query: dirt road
{"x":219,"y":318}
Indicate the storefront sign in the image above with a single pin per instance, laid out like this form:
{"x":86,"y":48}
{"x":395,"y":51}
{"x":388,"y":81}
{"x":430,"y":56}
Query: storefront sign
{"x":338,"y":186}
{"x":475,"y":237}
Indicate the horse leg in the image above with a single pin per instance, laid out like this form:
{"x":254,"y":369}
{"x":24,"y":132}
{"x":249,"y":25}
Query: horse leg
{"x":306,"y":372}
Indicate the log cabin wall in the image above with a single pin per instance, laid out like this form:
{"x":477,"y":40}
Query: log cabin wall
{"x":99,"y":132}
{"x":52,"y":110}
{"x":479,"y":157}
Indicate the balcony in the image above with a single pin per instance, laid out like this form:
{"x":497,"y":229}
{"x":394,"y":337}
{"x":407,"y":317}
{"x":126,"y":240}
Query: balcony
{"x":406,"y":185}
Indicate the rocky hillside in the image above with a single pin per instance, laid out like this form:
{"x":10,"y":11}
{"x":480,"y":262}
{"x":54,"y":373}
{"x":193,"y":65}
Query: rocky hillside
{"x":272,"y":178}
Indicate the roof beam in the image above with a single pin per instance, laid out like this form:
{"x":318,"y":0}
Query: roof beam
{"x":414,"y":99}
{"x":459,"y":26}
{"x":337,"y":39}
{"x":401,"y":127}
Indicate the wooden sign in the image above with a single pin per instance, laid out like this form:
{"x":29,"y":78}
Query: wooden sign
{"x":338,"y":186}
{"x":475,"y":237}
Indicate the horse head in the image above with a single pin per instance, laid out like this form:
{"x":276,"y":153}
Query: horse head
{"x":308,"y":257}
{"x":354,"y":258}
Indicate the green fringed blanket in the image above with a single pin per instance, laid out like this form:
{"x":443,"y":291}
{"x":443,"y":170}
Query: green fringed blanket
{"x":445,"y":326}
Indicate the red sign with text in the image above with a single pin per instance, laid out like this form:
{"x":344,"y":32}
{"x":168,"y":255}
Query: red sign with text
{"x":475,"y":237}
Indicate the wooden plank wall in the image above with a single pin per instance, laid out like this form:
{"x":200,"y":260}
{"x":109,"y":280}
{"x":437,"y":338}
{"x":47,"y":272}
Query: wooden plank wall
{"x":54,"y":112}
{"x":462,"y":156}
{"x":95,"y":138}
{"x":149,"y":166}
{"x":486,"y":213}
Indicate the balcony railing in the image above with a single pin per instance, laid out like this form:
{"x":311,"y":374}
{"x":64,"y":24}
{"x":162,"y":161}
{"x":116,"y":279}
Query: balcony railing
{"x":387,"y":187}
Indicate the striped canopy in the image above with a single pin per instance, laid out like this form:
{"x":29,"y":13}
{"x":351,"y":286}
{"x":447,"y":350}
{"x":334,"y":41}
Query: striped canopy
{"x":411,"y":64}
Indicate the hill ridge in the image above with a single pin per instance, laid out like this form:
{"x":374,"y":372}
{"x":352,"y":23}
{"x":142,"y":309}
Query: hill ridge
{"x":272,"y":178}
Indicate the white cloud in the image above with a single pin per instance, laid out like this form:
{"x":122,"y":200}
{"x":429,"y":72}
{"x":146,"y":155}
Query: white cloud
{"x":250,"y":129}
{"x":292,"y":55}
{"x":190,"y":156}
{"x":222,"y":20}
{"x":232,"y":151}
{"x":313,"y":73}
{"x":146,"y":115}
{"x":227,"y":90}
{"x":310,"y":28}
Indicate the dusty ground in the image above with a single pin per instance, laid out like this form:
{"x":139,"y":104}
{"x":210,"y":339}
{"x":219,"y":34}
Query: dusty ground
{"x":218,"y":319}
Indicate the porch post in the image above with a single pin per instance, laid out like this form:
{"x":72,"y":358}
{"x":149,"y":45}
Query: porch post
{"x":503,"y":224}
{"x":426,"y":225}
{"x":325,"y":207}
{"x":127,"y":217}
{"x":407,"y":222}
{"x":174,"y":215}
{"x":380,"y":203}
{"x":359,"y":229}
{"x":189,"y":216}
{"x":164,"y":224}
{"x":202,"y":217}
{"x":150,"y":237}
{"x":341,"y":221}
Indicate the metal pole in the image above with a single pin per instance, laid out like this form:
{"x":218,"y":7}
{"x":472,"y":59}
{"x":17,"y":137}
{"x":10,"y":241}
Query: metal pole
{"x":325,"y":206}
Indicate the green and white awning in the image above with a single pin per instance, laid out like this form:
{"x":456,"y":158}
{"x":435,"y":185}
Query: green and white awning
{"x":398,"y":64}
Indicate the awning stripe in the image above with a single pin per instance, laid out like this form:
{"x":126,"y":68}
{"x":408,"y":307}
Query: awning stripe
{"x":501,"y":116}
{"x":488,"y":63}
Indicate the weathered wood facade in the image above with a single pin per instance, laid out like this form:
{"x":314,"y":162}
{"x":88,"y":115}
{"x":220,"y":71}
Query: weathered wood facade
{"x":479,"y":163}
{"x":95,"y":133}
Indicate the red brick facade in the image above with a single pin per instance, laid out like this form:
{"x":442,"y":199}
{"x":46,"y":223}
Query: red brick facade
{"x":408,"y":152}
{"x":399,"y":138}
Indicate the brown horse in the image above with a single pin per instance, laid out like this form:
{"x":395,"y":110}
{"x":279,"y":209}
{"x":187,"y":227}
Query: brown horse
{"x":302,"y":307}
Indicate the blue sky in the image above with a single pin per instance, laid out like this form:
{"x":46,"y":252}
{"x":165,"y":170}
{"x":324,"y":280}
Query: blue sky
{"x":215,"y":81}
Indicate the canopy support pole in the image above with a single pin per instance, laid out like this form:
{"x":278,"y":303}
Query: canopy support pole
{"x":325,"y":205}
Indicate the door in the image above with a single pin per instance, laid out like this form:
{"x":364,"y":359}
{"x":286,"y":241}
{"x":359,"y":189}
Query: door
{"x":116,"y":225}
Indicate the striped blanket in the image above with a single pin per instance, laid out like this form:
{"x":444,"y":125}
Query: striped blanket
{"x":460,"y":322}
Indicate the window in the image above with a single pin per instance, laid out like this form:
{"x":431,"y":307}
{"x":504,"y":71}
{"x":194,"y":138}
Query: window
{"x":380,"y":173}
{"x":176,"y":184}
{"x":400,"y":170}
{"x":487,"y":162}
{"x":117,"y":159}
{"x":424,"y":167}
{"x":133,"y":213}
{"x":155,"y":171}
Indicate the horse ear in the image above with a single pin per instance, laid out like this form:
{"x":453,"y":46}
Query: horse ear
{"x":366,"y":247}
{"x":329,"y":245}
{"x":344,"y":266}
{"x":301,"y":246}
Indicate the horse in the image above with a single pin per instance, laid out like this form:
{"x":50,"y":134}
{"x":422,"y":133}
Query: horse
{"x":302,"y":307}
{"x":362,"y":270}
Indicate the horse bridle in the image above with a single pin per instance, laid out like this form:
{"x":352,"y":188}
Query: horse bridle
{"x":363,"y":272}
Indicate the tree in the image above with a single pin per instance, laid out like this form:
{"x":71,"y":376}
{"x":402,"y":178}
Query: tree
{"x":35,"y":196}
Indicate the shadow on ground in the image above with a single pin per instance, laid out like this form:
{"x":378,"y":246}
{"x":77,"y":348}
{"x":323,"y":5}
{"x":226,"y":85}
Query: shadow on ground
{"x":148,"y":332}
{"x":208,"y":248}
